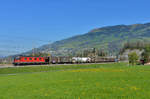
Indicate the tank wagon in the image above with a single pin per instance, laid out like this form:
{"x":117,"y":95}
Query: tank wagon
{"x":81,"y":59}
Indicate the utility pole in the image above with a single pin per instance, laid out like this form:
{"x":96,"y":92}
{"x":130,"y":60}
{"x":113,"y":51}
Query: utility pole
{"x":33,"y":52}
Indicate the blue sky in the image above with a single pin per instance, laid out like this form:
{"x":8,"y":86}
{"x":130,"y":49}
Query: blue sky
{"x":30,"y":23}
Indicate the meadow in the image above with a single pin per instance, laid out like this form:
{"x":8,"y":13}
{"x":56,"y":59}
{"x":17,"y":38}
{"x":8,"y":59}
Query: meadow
{"x":90,"y":81}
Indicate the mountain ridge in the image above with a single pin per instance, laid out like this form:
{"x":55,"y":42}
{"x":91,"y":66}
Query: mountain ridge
{"x":109,"y":38}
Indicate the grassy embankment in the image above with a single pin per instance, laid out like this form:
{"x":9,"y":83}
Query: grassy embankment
{"x":96,"y":81}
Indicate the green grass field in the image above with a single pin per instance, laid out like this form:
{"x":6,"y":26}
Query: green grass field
{"x":96,"y":81}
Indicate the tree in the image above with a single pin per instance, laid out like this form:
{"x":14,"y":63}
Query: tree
{"x":133,"y":58}
{"x":102,"y":53}
{"x":145,"y":57}
{"x":146,"y":54}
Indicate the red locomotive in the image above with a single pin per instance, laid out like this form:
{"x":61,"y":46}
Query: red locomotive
{"x":30,"y":60}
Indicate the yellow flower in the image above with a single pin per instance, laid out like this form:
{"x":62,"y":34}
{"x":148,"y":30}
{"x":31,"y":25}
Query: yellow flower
{"x":134,"y":88}
{"x":46,"y":94}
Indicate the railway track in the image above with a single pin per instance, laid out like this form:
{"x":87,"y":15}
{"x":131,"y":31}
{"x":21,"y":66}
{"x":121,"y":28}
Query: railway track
{"x":12,"y":66}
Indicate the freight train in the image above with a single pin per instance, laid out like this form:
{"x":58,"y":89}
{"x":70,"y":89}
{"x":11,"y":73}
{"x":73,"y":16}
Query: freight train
{"x":24,"y":60}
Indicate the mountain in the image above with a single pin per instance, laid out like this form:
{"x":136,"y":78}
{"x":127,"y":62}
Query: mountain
{"x":110,"y":38}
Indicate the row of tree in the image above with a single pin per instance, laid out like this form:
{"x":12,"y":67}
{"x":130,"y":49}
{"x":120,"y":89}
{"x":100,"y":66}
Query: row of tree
{"x":144,"y":58}
{"x":134,"y":45}
{"x":93,"y":52}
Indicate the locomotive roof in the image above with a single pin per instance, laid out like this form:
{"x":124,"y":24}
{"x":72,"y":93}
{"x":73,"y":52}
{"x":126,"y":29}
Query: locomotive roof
{"x":30,"y":56}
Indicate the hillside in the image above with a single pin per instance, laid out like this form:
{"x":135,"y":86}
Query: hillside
{"x":109,"y":38}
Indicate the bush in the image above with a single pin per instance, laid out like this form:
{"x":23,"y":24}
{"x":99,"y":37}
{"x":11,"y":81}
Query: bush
{"x":133,"y":58}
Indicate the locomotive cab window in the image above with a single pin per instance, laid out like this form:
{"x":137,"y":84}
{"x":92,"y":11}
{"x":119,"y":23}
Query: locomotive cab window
{"x":18,"y":58}
{"x":35,"y":58}
{"x":30,"y":58}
